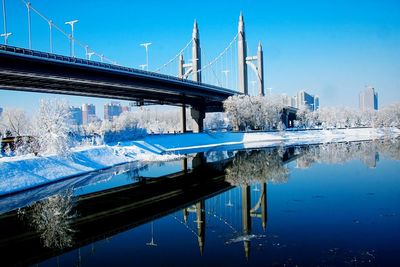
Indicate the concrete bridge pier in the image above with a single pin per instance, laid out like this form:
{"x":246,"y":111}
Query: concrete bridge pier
{"x":198,"y":115}
{"x":183,"y":118}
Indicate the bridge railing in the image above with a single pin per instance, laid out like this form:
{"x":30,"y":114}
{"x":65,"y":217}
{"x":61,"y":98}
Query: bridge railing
{"x":74,"y":60}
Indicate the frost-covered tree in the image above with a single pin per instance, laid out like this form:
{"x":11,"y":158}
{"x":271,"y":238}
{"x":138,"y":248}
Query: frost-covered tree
{"x":14,"y":122}
{"x":254,"y":112}
{"x":125,"y":127}
{"x":52,"y":128}
{"x":216,"y":121}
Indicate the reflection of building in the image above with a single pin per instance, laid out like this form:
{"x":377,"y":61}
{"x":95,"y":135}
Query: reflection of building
{"x":305,"y":99}
{"x":112,"y":110}
{"x":370,"y":159}
{"x":76,"y":115}
{"x":368,"y":99}
{"x":88,"y":114}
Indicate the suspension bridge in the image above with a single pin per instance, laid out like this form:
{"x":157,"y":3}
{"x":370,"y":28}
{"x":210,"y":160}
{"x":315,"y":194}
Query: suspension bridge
{"x":182,"y":81}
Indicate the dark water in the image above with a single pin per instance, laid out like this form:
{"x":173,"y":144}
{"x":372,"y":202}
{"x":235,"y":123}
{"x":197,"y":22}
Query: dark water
{"x":329,"y":205}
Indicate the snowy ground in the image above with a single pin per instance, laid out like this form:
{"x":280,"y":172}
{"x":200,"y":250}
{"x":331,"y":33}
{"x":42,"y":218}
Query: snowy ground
{"x":20,"y":173}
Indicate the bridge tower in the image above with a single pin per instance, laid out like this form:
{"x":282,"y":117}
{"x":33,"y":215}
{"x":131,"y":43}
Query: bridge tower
{"x":244,"y":60}
{"x":242,"y":54}
{"x":193,"y":68}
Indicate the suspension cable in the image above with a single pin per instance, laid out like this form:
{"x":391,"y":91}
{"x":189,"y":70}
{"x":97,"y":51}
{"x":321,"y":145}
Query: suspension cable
{"x":67,"y":35}
{"x":175,"y":57}
{"x":220,"y":55}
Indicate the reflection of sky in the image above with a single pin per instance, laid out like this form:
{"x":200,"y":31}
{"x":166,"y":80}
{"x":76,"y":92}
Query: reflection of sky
{"x":326,"y":213}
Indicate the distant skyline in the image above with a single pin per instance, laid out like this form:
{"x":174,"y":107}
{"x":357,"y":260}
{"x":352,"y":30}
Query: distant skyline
{"x":333,"y":49}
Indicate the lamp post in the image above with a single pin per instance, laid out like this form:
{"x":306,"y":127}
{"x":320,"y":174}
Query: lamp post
{"x":6,"y":35}
{"x":146,"y":46}
{"x":89,"y":55}
{"x":71,"y":23}
{"x":28,"y":6}
{"x":4,"y":18}
{"x":51,"y":37}
{"x":226,"y":72}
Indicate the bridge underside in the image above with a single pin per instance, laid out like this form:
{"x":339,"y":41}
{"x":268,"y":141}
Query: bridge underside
{"x":22,"y":73}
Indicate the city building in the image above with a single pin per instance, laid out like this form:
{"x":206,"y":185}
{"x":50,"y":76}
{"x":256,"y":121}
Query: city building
{"x":126,"y":109}
{"x":112,"y":110}
{"x":368,"y":99}
{"x":316,"y":102}
{"x":76,"y":115}
{"x":305,"y":99}
{"x":88,"y":114}
{"x":1,"y":111}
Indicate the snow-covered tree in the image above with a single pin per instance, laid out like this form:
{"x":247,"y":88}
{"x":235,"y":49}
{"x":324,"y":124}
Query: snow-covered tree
{"x":14,"y":122}
{"x":52,"y":128}
{"x":254,"y":112}
{"x":216,"y":121}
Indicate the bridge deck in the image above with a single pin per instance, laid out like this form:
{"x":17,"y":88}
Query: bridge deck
{"x":35,"y":71}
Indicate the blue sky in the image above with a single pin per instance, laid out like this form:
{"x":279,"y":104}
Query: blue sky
{"x":329,"y":48}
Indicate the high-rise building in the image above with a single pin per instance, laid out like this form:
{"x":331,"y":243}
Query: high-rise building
{"x":305,"y":99}
{"x":88,"y":113}
{"x":126,"y":109}
{"x":76,"y":115}
{"x":368,"y":99}
{"x":112,"y":110}
{"x":316,"y":102}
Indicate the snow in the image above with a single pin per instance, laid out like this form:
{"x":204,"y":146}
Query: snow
{"x":29,"y":171}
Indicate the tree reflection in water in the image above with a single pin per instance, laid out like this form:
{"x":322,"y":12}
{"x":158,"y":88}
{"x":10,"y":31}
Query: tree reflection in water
{"x":338,"y":153}
{"x":257,"y":166}
{"x":51,"y":218}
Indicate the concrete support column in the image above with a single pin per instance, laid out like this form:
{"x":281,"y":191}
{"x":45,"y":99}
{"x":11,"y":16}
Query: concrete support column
{"x":198,"y":160}
{"x":242,"y":54}
{"x":183,"y":118}
{"x":198,"y":116}
{"x":260,"y":70}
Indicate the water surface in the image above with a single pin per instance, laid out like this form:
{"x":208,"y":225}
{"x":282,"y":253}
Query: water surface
{"x":328,"y":205}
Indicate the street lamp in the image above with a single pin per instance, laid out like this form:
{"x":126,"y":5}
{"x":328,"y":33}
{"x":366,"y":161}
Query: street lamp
{"x":89,"y":55}
{"x":51,"y":37}
{"x":5,"y":35}
{"x":226,"y":72}
{"x":71,"y":23}
{"x":28,"y":6}
{"x":4,"y":18}
{"x":146,"y":46}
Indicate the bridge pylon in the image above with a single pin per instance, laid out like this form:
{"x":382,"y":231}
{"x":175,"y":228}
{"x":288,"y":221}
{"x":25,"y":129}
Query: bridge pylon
{"x":192,"y":68}
{"x":244,"y":60}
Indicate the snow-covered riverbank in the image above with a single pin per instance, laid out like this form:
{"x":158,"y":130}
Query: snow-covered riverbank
{"x":20,"y":173}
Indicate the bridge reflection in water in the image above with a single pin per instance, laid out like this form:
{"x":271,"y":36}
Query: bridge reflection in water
{"x":101,"y":215}
{"x":229,"y":188}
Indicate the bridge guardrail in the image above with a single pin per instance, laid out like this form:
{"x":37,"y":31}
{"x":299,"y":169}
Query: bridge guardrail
{"x":56,"y":57}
